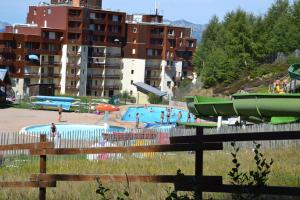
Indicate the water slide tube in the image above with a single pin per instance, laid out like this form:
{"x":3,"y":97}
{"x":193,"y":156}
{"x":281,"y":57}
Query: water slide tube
{"x":53,"y":98}
{"x":274,"y":108}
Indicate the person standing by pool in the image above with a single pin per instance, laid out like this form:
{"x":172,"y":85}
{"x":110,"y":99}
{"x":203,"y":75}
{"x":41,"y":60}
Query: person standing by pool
{"x":60,"y":110}
{"x":168,"y":116}
{"x":55,"y":136}
{"x":137,"y":119}
{"x":188,"y":118}
{"x":162,"y":116}
{"x":179,"y":117}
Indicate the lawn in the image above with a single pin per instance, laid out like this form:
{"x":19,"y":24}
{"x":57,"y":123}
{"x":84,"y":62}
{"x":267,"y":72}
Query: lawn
{"x":285,"y":172}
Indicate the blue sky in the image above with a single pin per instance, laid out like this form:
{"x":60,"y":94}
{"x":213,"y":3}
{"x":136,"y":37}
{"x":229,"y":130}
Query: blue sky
{"x":197,"y":11}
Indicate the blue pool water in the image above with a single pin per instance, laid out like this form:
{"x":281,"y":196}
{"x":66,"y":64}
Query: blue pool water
{"x":152,"y":114}
{"x":64,"y":129}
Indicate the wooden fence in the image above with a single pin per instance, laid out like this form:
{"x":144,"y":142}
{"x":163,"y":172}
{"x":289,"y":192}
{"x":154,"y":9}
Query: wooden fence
{"x":197,"y":183}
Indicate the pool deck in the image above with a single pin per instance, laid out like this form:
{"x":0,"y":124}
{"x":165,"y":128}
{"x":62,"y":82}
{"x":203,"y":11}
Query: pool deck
{"x":13,"y":119}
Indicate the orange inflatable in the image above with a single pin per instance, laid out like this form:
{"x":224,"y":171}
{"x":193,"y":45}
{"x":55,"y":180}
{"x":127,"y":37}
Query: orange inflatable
{"x":107,"y":107}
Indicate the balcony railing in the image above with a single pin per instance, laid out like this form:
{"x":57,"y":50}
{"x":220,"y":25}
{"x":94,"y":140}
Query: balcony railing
{"x":51,"y":64}
{"x":113,"y":55}
{"x":98,"y":54}
{"x":112,"y":86}
{"x":113,"y":76}
{"x":6,"y":62}
{"x":154,"y":67}
{"x":6,"y":50}
{"x":76,"y":18}
{"x":73,"y":76}
{"x":97,"y":65}
{"x":73,"y":65}
{"x":74,"y":29}
{"x":153,"y":77}
{"x":32,"y":74}
{"x":54,"y":75}
{"x":72,"y":87}
{"x":74,"y":53}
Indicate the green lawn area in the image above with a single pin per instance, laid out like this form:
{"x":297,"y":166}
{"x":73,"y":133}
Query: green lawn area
{"x":285,"y":172}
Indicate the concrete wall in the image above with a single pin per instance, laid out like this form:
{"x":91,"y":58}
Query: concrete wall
{"x":138,"y":67}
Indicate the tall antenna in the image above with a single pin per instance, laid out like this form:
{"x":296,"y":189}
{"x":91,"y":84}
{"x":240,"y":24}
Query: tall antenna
{"x":156,"y":8}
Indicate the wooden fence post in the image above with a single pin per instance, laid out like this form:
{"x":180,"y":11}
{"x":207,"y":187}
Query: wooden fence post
{"x":43,"y":168}
{"x":199,"y":164}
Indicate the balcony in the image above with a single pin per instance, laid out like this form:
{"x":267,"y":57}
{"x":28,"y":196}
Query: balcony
{"x":112,"y":86}
{"x":72,"y":65}
{"x":74,"y":53}
{"x":74,"y":29}
{"x":113,"y":65}
{"x":6,"y":62}
{"x":157,"y":35}
{"x":96,"y":75}
{"x":50,"y":75}
{"x":73,"y":76}
{"x":98,"y":54}
{"x":72,"y":87}
{"x":98,"y":21}
{"x":75,"y":18}
{"x":6,"y":50}
{"x":113,"y":76}
{"x":96,"y":87}
{"x":99,"y":32}
{"x":51,"y":64}
{"x":97,"y":65}
{"x":153,"y":66}
{"x":32,"y":74}
{"x":113,"y":55}
{"x":153,"y":77}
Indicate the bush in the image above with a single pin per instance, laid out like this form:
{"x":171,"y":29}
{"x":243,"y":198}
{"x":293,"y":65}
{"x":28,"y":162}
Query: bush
{"x":153,"y":99}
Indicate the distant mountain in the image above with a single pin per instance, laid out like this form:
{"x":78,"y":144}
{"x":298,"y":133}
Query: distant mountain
{"x":196,"y":28}
{"x":2,"y":26}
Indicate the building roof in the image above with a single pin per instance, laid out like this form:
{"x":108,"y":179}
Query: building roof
{"x":143,"y":87}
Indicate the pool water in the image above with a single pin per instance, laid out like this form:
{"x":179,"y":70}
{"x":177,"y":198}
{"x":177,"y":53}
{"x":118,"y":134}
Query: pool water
{"x":64,"y":129}
{"x":152,"y":114}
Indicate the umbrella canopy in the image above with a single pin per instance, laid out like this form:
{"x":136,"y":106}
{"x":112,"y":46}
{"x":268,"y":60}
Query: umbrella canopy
{"x":33,"y":57}
{"x":107,"y":107}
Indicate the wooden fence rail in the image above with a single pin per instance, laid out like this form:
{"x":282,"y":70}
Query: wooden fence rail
{"x":197,"y":183}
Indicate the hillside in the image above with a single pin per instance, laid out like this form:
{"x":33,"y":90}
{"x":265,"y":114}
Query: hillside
{"x":196,"y":28}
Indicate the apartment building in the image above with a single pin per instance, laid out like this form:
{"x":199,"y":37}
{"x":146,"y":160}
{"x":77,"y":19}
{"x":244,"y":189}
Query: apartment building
{"x":86,"y":50}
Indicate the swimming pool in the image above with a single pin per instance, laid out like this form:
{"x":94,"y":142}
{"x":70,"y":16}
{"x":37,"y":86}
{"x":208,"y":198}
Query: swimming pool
{"x":65,"y":129}
{"x":152,"y":114}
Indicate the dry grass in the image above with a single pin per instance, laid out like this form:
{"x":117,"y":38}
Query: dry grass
{"x":285,"y":172}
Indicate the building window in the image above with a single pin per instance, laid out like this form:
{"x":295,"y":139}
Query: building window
{"x":134,"y":30}
{"x":92,"y":16}
{"x":171,"y":31}
{"x":134,"y":41}
{"x":19,"y":45}
{"x":133,"y":51}
{"x":115,"y":18}
{"x":42,"y":70}
{"x":131,"y":82}
{"x":131,"y":92}
{"x":96,"y":82}
{"x":95,"y":93}
{"x":49,"y":11}
{"x":132,"y":71}
{"x":169,"y":84}
{"x":34,"y":12}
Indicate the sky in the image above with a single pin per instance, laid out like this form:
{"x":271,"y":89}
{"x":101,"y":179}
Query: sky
{"x":196,"y":11}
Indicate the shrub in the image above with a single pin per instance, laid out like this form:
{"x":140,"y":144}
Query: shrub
{"x":154,"y":99}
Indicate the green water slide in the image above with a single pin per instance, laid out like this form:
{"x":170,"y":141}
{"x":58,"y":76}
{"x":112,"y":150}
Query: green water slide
{"x":274,"y":108}
{"x":294,"y":71}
